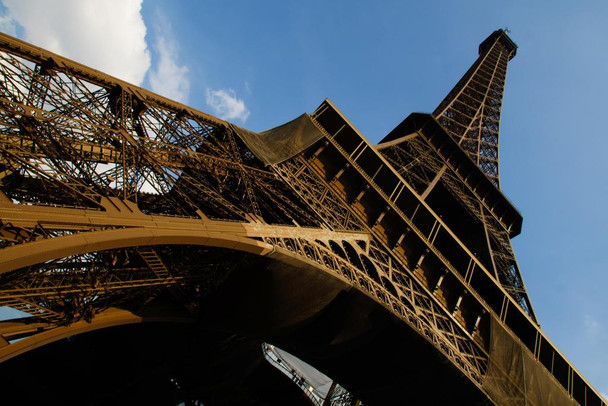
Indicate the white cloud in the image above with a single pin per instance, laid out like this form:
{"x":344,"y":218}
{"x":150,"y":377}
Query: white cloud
{"x":593,"y":329}
{"x":108,"y":35}
{"x":226,"y":104}
{"x":168,"y":78}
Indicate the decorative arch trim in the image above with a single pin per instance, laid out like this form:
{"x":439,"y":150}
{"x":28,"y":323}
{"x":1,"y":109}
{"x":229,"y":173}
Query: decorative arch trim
{"x":108,"y":318}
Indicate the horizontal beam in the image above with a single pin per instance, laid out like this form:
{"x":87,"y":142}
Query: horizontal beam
{"x":130,"y":227}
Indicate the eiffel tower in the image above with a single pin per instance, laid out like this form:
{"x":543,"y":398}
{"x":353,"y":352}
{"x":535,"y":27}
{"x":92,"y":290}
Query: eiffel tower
{"x":162,"y":253}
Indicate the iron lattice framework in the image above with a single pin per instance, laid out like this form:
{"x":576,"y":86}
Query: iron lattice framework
{"x":470,"y":113}
{"x":112,"y":198}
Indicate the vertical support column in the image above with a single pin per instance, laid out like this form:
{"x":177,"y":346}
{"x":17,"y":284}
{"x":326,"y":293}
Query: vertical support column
{"x":330,"y":393}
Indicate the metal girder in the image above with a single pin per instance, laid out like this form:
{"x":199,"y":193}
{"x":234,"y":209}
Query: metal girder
{"x":107,"y":318}
{"x":112,"y":196}
{"x":471,"y":111}
{"x":426,"y":254}
{"x":422,"y":160}
{"x":127,"y":227}
{"x":403,"y":294}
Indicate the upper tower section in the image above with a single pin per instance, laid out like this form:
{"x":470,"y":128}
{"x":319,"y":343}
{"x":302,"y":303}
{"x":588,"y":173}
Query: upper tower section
{"x":470,"y":113}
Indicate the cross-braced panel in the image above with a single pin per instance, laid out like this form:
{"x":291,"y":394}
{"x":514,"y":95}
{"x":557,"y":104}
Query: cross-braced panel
{"x":103,"y":188}
{"x":471,"y":111}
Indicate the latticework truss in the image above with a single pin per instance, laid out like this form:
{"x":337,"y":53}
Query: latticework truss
{"x":470,"y":113}
{"x":423,"y":168}
{"x":113,"y":198}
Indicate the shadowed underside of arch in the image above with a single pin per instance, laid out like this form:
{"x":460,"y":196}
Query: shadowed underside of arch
{"x":160,"y":351}
{"x":267,"y":292}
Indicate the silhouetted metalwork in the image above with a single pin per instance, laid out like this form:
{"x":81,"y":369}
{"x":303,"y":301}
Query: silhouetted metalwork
{"x":116,"y":202}
{"x":470,"y":114}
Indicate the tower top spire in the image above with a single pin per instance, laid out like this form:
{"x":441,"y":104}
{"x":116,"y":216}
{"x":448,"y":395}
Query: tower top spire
{"x":470,"y":113}
{"x":502,"y":36}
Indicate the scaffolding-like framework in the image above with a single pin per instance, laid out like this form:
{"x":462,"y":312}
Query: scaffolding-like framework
{"x":112,"y":197}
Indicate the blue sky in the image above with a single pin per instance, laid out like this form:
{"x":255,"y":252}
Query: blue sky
{"x":261,"y":63}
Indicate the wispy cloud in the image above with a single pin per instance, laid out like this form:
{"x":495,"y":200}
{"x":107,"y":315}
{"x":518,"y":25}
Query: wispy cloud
{"x":226,"y":104}
{"x":593,"y":329}
{"x":107,"y":35}
{"x":168,"y":78}
{"x":8,"y":25}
